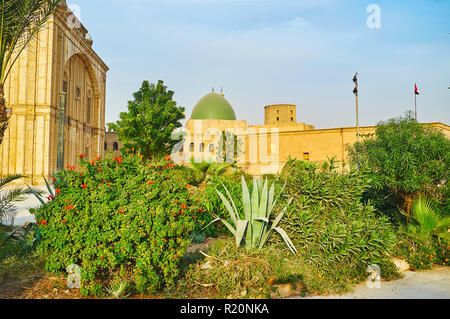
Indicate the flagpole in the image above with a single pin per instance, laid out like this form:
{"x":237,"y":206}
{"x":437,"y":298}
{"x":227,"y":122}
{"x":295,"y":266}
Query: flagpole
{"x":415,"y":105}
{"x":416,"y":92}
{"x":355,"y":91}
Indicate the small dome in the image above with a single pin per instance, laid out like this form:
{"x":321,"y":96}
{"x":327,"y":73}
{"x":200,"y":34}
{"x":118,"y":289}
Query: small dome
{"x":213,"y":106}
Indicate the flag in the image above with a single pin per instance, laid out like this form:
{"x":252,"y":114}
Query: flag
{"x":416,"y":91}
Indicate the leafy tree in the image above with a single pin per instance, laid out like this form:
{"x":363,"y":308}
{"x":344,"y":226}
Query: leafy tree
{"x":403,"y":160}
{"x":152,"y":117}
{"x":20,"y":21}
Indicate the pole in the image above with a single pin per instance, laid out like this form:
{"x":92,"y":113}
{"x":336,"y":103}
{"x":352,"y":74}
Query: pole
{"x":415,"y":105}
{"x":357,"y":119}
{"x":60,"y":149}
{"x":355,"y":91}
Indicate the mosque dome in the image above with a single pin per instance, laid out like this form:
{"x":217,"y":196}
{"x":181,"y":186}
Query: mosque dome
{"x":213,"y":106}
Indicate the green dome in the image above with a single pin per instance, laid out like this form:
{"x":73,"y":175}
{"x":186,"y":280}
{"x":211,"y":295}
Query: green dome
{"x":213,"y":107}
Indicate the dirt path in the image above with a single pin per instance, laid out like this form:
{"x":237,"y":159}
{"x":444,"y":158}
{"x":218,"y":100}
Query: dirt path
{"x":429,"y":284}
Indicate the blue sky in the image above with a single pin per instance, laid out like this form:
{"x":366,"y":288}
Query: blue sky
{"x":262,"y":52}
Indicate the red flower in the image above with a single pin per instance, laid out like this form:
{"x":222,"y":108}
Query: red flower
{"x":43,"y":222}
{"x":81,"y":155}
{"x":197,"y":201}
{"x":99,"y":169}
{"x":181,"y":212}
{"x":93,"y":162}
{"x":84,"y":186}
{"x":69,"y":207}
{"x":50,"y":198}
{"x":176,"y":201}
{"x":167,"y":157}
{"x":57,"y":191}
{"x":121,"y":211}
{"x":188,"y":186}
{"x":183,"y":206}
{"x":102,"y":257}
{"x":200,"y":210}
{"x":151,"y":182}
{"x":54,"y":179}
{"x":64,"y":221}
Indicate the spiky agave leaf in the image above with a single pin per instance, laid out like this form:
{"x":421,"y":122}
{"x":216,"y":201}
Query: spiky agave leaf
{"x":286,"y":239}
{"x":261,"y":215}
{"x":246,"y":201}
{"x":50,"y":190}
{"x":241,"y":228}
{"x":231,"y":212}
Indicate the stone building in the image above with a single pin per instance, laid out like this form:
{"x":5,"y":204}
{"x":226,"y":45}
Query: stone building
{"x":265,"y":148}
{"x":61,"y":59}
{"x":112,"y":143}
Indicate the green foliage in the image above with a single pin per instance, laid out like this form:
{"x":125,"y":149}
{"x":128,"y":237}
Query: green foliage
{"x":228,"y":272}
{"x":403,"y":159}
{"x":123,"y":219}
{"x":203,"y":171}
{"x":214,"y":206}
{"x":234,"y":273}
{"x":26,"y":238}
{"x":422,"y":252}
{"x":328,"y":222}
{"x":254,"y":228}
{"x":426,"y":222}
{"x":152,"y":117}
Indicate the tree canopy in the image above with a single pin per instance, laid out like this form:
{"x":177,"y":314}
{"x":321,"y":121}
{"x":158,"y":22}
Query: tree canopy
{"x":405,"y":157}
{"x":152,"y":117}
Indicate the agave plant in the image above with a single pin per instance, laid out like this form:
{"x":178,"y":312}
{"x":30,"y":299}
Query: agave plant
{"x":39,"y":194}
{"x":257,"y":224}
{"x":426,"y":221}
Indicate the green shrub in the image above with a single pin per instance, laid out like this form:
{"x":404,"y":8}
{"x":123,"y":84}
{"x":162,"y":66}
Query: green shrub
{"x":329,"y":223}
{"x":122,"y":219}
{"x":403,"y":160}
{"x":422,"y":253}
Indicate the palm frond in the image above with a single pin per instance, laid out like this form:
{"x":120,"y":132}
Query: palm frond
{"x":8,"y":179}
{"x":20,"y":22}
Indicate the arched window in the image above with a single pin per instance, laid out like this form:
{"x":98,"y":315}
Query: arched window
{"x":115,"y":146}
{"x":106,"y":146}
{"x":202,"y":147}
{"x":191,"y":147}
{"x":211,"y":148}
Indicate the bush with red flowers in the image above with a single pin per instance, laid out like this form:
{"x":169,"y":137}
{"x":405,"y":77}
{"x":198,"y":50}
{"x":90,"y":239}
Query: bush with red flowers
{"x":130,"y":220}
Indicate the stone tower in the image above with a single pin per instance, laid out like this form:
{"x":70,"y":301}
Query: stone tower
{"x":280,"y":114}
